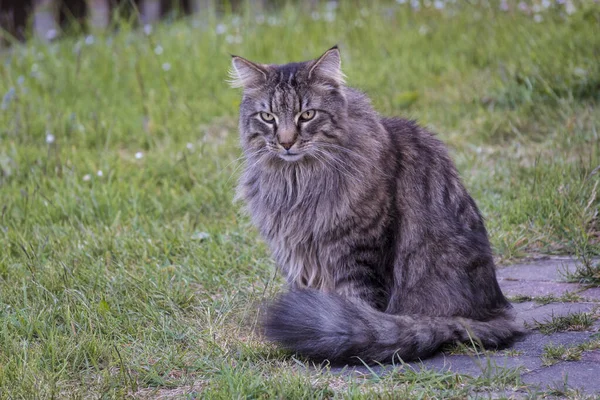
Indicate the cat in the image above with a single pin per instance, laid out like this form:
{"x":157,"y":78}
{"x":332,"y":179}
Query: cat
{"x":385,"y":253}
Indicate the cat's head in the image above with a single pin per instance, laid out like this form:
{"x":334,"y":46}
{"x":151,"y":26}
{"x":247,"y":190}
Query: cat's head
{"x":291,"y":112}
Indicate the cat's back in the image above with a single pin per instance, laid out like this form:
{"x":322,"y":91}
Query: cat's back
{"x":417,"y":150}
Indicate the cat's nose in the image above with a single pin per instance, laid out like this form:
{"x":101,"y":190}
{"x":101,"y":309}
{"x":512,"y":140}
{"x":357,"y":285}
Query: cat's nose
{"x":287,"y":145}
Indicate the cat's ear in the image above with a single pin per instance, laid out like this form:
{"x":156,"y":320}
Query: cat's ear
{"x":328,"y":66}
{"x":246,"y":74}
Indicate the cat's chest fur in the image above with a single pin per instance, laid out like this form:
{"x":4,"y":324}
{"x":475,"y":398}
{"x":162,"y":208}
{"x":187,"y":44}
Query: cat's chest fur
{"x":296,"y":213}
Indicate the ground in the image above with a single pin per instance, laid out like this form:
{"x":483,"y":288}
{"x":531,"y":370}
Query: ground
{"x":560,"y":353}
{"x":126,"y":269}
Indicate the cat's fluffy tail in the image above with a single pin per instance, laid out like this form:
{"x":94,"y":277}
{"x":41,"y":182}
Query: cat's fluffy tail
{"x":327,"y":326}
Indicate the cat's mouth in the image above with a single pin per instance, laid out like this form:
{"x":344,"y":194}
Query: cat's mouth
{"x":291,"y":156}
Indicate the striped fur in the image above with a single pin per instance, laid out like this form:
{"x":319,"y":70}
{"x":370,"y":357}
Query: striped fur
{"x":385,"y":252}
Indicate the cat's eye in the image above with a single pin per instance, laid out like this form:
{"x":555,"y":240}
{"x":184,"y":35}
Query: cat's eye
{"x":267,"y":117}
{"x":307,"y":115}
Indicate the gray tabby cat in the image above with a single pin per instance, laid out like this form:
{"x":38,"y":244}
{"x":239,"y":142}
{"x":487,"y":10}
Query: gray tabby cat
{"x":385,"y":252}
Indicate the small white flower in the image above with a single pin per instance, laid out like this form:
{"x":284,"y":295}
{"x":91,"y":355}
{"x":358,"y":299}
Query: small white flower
{"x":139,"y":155}
{"x":50,"y":138}
{"x":523,"y":6}
{"x":21,"y":79}
{"x":34,"y":67}
{"x":148,"y":29}
{"x":87,"y":177}
{"x":423,"y":30}
{"x":200,"y":236}
{"x":260,"y":19}
{"x":331,"y":5}
{"x":100,"y":173}
{"x":570,"y":7}
{"x":51,"y":34}
{"x":504,"y":5}
{"x":235,"y":21}
{"x":89,"y":40}
{"x":538,"y":18}
{"x":315,"y":16}
{"x":229,"y":39}
{"x":220,"y":29}
{"x":439,"y":4}
{"x":272,"y":21}
{"x":166,"y":66}
{"x":189,"y":146}
{"x":158,"y":50}
{"x":546,"y":3}
{"x":329,"y":16}
{"x":401,"y":1}
{"x":415,"y":4}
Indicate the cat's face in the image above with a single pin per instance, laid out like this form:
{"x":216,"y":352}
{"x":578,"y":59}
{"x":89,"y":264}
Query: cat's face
{"x":291,"y":112}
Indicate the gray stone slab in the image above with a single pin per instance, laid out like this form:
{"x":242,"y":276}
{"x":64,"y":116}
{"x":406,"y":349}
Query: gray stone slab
{"x":477,"y":365}
{"x":582,"y":375}
{"x":533,"y":343}
{"x":471,"y":365}
{"x":524,"y":306}
{"x":544,"y":313}
{"x":591,"y":356}
{"x":550,"y":269}
{"x":536,"y":288}
{"x":592,"y":294}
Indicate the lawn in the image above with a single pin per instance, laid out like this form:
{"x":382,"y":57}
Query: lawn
{"x":126,"y":269}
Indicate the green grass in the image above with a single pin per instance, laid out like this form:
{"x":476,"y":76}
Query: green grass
{"x":567,"y":297}
{"x":571,"y":322}
{"x":144,"y":280}
{"x":556,"y":353}
{"x":587,"y":272}
{"x":553,"y":354}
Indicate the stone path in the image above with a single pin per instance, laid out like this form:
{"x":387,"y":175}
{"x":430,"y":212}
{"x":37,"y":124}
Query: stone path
{"x":540,"y":295}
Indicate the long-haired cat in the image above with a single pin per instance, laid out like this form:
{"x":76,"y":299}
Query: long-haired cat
{"x":385,"y":252}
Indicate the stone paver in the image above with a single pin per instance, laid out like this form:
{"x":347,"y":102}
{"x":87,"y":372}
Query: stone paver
{"x":537,"y":288}
{"x":549,"y":269}
{"x":542,"y":277}
{"x":592,"y":294}
{"x":583,"y":375}
{"x":544,"y":313}
{"x":591,"y":356}
{"x":534,"y":343}
{"x":478,"y":365}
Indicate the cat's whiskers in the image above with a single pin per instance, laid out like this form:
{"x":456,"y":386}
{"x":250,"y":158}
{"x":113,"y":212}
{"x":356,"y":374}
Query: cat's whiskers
{"x":337,"y":164}
{"x":332,"y":156}
{"x":260,"y":152}
{"x":355,"y":154}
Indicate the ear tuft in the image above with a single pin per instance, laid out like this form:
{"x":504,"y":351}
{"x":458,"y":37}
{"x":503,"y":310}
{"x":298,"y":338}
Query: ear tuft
{"x":328,"y":66}
{"x":245,"y":74}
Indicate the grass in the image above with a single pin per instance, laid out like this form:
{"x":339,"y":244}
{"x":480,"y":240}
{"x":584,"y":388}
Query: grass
{"x":567,"y":297}
{"x":555,"y":353}
{"x":125,"y":268}
{"x":572,"y":322}
{"x":587,"y":272}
